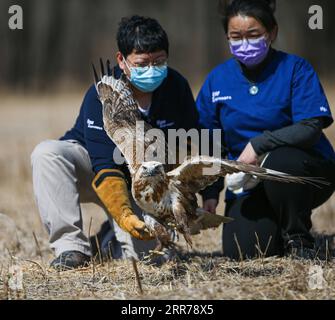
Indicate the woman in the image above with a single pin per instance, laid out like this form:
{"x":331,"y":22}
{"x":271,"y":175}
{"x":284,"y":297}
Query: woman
{"x":268,"y":103}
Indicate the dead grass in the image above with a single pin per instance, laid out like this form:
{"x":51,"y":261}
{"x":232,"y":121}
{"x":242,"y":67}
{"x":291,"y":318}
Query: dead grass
{"x":25,"y":122}
{"x":198,"y":277}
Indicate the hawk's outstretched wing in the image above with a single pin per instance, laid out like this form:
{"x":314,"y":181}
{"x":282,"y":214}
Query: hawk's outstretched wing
{"x":198,"y":172}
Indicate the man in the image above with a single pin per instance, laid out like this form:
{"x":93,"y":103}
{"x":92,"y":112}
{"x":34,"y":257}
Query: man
{"x":79,"y":167}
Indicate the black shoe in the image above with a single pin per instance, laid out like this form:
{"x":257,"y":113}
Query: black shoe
{"x":296,"y":251}
{"x":299,"y":249}
{"x":69,"y":260}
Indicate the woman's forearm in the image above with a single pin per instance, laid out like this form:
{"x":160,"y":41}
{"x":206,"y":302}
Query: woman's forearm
{"x":304,"y":134}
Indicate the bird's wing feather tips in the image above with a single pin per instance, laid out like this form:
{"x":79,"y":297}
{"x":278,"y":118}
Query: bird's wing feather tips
{"x":118,"y":85}
{"x":191,"y":173}
{"x":284,"y":177}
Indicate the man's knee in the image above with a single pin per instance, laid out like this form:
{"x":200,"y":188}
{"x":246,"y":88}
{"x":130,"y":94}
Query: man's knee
{"x":45,"y":150}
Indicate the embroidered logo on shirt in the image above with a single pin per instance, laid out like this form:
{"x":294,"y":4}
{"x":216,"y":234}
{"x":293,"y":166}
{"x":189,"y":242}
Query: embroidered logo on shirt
{"x":216,"y":97}
{"x":90,"y":124}
{"x":323,"y":109}
{"x":163,"y":124}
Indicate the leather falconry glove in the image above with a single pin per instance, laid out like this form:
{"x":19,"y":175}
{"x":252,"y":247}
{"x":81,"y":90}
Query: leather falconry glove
{"x":111,"y":187}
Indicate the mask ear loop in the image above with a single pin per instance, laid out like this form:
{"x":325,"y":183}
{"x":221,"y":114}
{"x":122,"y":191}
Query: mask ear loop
{"x":125,"y":62}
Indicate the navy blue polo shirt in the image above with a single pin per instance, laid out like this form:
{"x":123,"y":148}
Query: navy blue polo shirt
{"x":289,"y":91}
{"x":172,"y":107}
{"x":286,"y":92}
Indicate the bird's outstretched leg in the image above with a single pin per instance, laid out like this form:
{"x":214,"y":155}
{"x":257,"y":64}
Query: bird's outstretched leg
{"x":163,"y":235}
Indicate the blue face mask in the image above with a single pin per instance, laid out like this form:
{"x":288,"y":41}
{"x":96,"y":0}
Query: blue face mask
{"x":147,"y":79}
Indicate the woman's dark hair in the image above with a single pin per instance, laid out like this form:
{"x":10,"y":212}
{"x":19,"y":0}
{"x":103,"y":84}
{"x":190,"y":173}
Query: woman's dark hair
{"x":261,"y":10}
{"x":142,"y":34}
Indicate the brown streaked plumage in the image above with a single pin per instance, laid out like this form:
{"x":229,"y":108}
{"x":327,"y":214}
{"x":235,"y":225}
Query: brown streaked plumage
{"x":167,"y":194}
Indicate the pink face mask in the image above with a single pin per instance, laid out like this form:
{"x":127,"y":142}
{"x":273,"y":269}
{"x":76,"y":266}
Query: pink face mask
{"x":250,"y":52}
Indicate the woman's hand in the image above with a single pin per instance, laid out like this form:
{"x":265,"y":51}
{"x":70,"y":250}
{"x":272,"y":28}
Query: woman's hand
{"x":210,"y":205}
{"x":248,"y":156}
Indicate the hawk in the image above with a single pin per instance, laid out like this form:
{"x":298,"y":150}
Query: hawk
{"x":167,"y":195}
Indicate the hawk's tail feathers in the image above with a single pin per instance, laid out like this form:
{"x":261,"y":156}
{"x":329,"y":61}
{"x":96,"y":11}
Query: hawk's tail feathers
{"x":207,"y":220}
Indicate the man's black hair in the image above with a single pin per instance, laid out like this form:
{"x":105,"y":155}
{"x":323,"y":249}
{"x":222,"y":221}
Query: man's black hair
{"x":142,"y":35}
{"x":262,"y":10}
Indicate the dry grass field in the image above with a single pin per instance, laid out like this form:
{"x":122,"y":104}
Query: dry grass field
{"x":202,"y":274}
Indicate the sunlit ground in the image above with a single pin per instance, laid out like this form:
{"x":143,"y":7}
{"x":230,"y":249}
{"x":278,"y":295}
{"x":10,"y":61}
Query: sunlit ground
{"x":27,"y":120}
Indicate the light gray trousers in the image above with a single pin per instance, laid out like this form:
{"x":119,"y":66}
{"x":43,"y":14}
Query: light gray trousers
{"x":62,"y":177}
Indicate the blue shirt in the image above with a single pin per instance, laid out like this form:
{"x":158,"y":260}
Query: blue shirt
{"x":172,"y":107}
{"x":289,"y":91}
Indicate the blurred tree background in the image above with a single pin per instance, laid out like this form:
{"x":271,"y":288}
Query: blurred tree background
{"x":60,"y":38}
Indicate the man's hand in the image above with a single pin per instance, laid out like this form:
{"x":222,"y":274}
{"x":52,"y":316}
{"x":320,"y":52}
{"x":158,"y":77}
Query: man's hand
{"x":137,"y":228}
{"x":210,"y":205}
{"x":113,"y":192}
{"x":248,"y":156}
